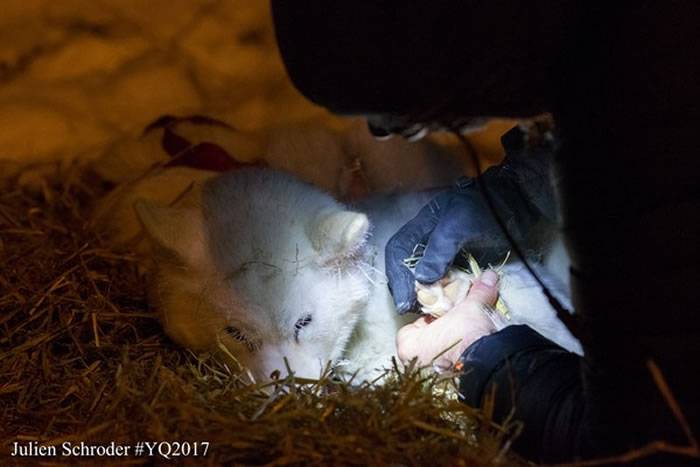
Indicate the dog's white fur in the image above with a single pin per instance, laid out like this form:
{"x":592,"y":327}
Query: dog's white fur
{"x":241,"y":261}
{"x":260,"y":252}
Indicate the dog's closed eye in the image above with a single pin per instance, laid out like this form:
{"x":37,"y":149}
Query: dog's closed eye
{"x":300,"y":324}
{"x":239,"y":336}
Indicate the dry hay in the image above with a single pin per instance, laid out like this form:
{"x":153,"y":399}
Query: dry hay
{"x":82,"y":358}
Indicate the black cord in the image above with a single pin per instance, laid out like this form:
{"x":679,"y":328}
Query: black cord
{"x":564,"y":315}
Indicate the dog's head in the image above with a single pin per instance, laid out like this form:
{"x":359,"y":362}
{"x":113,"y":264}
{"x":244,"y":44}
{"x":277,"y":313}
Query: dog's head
{"x":263,"y":267}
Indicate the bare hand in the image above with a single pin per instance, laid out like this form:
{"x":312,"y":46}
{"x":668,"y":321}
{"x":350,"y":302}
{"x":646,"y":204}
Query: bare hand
{"x":428,"y":338}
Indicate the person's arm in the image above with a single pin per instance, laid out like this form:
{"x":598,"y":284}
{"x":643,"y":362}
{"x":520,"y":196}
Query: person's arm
{"x":424,"y":59}
{"x":534,"y":383}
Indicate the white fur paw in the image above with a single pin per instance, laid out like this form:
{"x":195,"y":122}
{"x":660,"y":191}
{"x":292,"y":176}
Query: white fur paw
{"x":438,"y":298}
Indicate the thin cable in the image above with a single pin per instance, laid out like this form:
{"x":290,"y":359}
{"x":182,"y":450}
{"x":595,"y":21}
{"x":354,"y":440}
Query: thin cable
{"x":564,"y":315}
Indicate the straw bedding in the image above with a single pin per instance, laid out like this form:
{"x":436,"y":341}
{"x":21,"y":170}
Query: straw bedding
{"x":83,"y":358}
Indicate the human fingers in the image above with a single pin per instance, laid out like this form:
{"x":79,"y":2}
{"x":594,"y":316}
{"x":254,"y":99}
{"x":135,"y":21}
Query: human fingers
{"x":484,"y":290}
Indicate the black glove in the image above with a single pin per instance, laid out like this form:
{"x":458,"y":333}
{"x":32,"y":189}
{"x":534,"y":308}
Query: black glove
{"x":460,"y":218}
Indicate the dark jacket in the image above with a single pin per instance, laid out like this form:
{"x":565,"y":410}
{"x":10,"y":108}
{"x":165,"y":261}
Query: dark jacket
{"x":535,"y":384}
{"x":623,"y":81}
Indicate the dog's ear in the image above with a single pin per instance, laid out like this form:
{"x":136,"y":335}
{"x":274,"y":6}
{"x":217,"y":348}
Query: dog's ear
{"x":175,"y":231}
{"x":338,"y":234}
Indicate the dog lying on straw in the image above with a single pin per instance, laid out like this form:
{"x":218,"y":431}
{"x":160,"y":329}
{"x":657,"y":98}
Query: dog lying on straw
{"x":278,"y":275}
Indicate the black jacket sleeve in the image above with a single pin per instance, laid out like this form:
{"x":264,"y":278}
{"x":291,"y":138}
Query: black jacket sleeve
{"x":534,"y":382}
{"x":420,"y":58}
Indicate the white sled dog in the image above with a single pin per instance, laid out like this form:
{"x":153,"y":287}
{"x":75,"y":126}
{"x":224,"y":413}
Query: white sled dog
{"x":268,"y":268}
{"x":273,"y":268}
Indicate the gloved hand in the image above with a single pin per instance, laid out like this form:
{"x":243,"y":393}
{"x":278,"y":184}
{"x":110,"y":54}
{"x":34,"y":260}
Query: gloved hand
{"x":460,"y":218}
